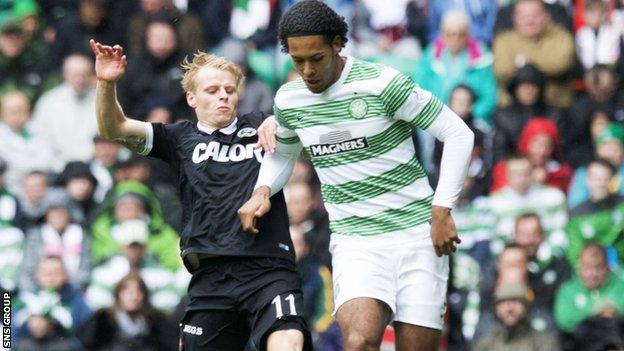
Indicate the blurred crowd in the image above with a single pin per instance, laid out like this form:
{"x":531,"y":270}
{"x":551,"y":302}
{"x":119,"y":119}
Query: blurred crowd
{"x":89,"y":231}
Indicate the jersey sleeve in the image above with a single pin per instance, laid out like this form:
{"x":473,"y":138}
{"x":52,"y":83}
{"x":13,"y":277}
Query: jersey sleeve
{"x":160,"y":141}
{"x":406,"y":101}
{"x":277,"y":167}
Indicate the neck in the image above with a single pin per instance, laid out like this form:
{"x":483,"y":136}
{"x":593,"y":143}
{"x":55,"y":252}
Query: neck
{"x":339,"y":67}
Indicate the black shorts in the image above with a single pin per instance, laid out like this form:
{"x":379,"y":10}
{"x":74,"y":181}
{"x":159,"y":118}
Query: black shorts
{"x":236,"y":302}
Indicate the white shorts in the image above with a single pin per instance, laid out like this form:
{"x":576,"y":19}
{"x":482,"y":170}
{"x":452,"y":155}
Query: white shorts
{"x":399,"y":268}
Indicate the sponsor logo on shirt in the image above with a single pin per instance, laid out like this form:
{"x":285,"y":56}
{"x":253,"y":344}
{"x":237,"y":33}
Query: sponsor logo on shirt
{"x":225,"y":153}
{"x":320,"y":150}
{"x":190,"y":329}
{"x":246,"y":132}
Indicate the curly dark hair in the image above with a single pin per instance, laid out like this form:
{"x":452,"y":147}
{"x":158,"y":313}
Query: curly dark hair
{"x":312,"y":17}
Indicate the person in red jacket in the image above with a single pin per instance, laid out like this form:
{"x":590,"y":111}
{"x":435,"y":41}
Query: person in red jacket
{"x":541,"y":142}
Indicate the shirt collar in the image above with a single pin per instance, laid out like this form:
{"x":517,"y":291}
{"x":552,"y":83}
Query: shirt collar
{"x":227,"y":130}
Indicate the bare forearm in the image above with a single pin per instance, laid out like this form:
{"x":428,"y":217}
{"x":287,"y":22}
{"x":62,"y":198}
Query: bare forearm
{"x":110,"y":116}
{"x":113,"y":124}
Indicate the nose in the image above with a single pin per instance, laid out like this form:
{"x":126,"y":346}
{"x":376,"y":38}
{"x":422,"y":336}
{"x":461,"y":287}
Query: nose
{"x":308,"y":70}
{"x":223,"y":95}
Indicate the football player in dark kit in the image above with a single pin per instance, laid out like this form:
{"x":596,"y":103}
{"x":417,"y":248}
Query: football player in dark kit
{"x":244,"y":286}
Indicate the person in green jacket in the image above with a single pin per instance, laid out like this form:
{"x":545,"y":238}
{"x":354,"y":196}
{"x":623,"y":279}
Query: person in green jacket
{"x":456,"y":58}
{"x":576,"y":299}
{"x":134,"y":200}
{"x":601,"y":218}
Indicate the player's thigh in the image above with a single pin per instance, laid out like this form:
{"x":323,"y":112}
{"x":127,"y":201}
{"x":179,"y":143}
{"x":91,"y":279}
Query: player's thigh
{"x":362,"y":321}
{"x":411,"y":337}
{"x":214,"y":330}
{"x":280,"y":318}
{"x":422,"y":284}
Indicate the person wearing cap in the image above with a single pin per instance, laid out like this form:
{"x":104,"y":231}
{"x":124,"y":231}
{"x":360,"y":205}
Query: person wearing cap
{"x":537,"y":40}
{"x":22,"y":149}
{"x":166,"y":287}
{"x":609,"y":147}
{"x":134,"y":200}
{"x":23,"y":64}
{"x":577,"y":297}
{"x":513,"y":330}
{"x":599,"y":218}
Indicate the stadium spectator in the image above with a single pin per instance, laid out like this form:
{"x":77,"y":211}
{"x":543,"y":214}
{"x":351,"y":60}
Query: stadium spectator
{"x":527,"y":90}
{"x":218,"y":13}
{"x":541,"y":142}
{"x":9,"y":206}
{"x":317,"y":291}
{"x":59,"y":237}
{"x":34,"y":197}
{"x":133,"y":200}
{"x":52,"y":297}
{"x":131,"y":323}
{"x":522,"y":195}
{"x":559,"y":11}
{"x":255,"y":23}
{"x":11,"y":254}
{"x":69,"y":105}
{"x":513,"y":330}
{"x":165,"y":286}
{"x":481,"y":17}
{"x":187,"y":25}
{"x":79,"y":184}
{"x":302,"y":216}
{"x":155,"y":72}
{"x":536,"y":40}
{"x":603,"y":330}
{"x":23,"y":65}
{"x":602,"y":94}
{"x":94,"y":20}
{"x":546,"y":270}
{"x":577,"y":298}
{"x":600,"y":218}
{"x":105,"y":155}
{"x":19,"y":147}
{"x":457,"y":58}
{"x":609,"y":147}
{"x":598,"y":41}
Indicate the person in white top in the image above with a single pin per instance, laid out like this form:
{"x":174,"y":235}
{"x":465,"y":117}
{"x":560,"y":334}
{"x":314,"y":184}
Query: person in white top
{"x":390,"y":231}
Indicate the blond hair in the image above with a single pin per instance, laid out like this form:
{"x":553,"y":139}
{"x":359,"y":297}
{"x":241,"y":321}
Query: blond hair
{"x":202,"y":59}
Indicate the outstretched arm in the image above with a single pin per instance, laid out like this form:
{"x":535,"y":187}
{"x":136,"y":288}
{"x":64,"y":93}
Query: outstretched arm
{"x":282,"y":147}
{"x":110,"y":65}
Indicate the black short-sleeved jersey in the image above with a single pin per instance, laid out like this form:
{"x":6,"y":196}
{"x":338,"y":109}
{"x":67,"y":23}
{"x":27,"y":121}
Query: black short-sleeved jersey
{"x":216,"y":175}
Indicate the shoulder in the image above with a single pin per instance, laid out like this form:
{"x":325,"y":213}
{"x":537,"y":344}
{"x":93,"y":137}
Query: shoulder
{"x":584,"y":208}
{"x":253,"y":118}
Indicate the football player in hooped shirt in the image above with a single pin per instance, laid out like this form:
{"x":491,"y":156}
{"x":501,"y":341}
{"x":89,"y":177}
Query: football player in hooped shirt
{"x":244,"y":286}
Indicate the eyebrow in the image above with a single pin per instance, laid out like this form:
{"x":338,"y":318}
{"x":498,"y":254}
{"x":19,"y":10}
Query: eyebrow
{"x":311,"y":56}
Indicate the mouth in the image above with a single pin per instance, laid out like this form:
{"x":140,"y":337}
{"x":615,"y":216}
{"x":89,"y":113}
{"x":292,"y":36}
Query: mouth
{"x":312,"y":82}
{"x":223,"y":108}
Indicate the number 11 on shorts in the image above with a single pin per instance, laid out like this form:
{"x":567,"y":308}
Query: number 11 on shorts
{"x":277,"y":301}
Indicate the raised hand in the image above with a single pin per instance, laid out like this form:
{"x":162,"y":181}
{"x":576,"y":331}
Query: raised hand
{"x":110,"y":62}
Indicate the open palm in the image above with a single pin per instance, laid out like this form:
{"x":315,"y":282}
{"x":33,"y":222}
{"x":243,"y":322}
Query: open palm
{"x":110,"y":62}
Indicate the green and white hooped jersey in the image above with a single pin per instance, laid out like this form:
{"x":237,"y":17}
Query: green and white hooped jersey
{"x":358,"y":136}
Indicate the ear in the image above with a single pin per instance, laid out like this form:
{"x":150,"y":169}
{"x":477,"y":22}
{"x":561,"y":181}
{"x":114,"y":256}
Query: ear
{"x":336,"y":44}
{"x":190,"y":99}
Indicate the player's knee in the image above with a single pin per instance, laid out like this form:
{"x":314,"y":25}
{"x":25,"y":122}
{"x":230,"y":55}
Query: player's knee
{"x":358,"y":341}
{"x":287,"y":340}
